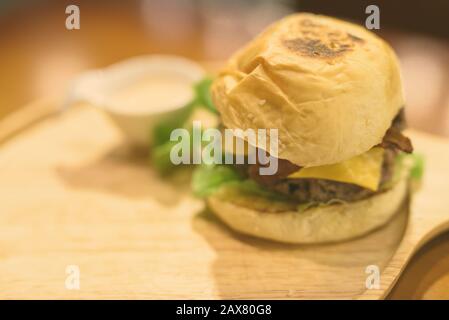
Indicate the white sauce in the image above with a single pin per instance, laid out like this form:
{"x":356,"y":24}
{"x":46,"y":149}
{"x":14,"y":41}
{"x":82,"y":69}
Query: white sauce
{"x":154,"y":93}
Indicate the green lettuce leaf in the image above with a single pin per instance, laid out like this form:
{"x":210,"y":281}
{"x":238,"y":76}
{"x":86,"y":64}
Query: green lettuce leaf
{"x":209,"y":178}
{"x":203,"y":96}
{"x":160,"y":151}
{"x":414,"y":162}
{"x":160,"y":157}
{"x":417,"y":170}
{"x":162,"y":130}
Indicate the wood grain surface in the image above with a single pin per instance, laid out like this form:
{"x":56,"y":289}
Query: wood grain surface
{"x":73,"y":193}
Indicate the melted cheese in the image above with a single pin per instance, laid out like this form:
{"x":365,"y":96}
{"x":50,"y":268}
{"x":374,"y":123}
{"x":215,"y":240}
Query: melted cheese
{"x":364,"y":170}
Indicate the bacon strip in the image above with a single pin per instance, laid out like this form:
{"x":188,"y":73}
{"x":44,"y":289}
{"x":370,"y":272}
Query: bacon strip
{"x":285,"y":168}
{"x":394,"y":139}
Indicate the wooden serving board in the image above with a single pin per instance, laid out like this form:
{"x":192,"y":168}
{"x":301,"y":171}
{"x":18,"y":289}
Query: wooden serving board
{"x":72,"y":193}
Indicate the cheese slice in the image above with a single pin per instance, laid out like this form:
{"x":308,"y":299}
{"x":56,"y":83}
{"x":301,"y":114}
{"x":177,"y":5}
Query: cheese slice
{"x":364,"y":170}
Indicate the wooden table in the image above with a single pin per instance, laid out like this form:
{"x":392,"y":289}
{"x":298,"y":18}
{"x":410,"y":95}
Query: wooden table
{"x":39,"y":56}
{"x":74,"y":195}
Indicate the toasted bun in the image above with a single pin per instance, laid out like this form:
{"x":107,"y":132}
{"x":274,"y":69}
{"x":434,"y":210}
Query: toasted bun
{"x":330,"y":223}
{"x":330,"y":87}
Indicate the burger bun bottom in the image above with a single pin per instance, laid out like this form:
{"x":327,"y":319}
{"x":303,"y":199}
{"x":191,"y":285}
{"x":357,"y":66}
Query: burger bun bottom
{"x":320,"y":224}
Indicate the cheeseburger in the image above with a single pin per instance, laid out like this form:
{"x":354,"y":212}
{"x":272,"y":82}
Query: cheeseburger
{"x":333,"y":91}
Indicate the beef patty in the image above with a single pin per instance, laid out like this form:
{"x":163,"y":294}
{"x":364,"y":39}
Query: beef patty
{"x":320,"y":190}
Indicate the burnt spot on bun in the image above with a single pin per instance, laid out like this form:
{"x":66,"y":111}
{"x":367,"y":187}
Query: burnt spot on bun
{"x":320,"y":41}
{"x":315,"y":48}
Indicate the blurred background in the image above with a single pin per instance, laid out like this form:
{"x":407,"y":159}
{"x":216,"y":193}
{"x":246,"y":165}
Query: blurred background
{"x":38,"y":56}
